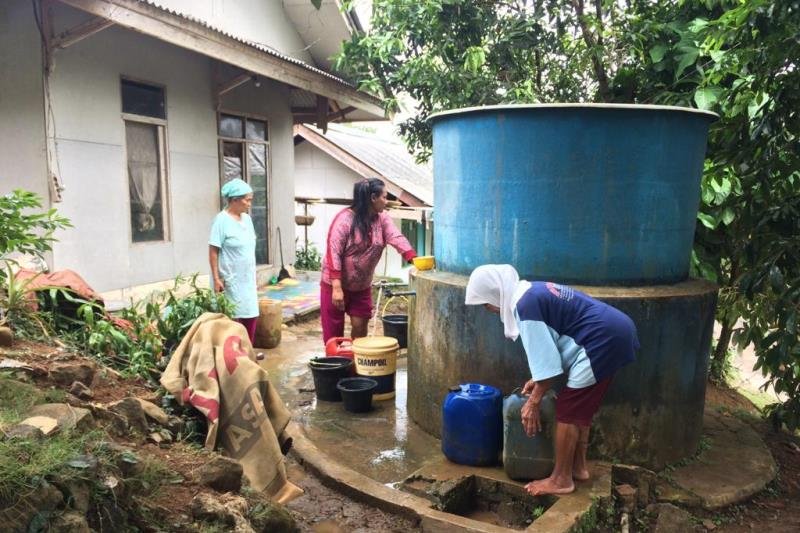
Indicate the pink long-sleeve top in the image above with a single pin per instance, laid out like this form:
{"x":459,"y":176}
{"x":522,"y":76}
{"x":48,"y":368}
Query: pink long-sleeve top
{"x":353,"y":260}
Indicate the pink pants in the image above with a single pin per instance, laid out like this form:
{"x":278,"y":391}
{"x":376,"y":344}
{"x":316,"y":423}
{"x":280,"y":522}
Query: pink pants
{"x":356,"y":303}
{"x":250,"y":325}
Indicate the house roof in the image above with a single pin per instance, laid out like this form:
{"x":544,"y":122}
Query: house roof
{"x":370,"y":155}
{"x":152,"y":18}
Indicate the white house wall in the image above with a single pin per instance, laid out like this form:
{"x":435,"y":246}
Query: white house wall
{"x":260,"y":21}
{"x":85,"y":88}
{"x":22,"y":150}
{"x":318,"y":175}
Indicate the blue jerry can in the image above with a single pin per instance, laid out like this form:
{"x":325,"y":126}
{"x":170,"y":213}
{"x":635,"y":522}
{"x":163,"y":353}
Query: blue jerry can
{"x":527,"y":457}
{"x":472,"y":424}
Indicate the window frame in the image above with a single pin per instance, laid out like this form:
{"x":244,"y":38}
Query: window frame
{"x":163,"y":162}
{"x":245,"y":160}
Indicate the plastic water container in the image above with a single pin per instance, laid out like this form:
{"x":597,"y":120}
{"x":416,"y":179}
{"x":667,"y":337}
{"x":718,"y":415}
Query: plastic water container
{"x":527,"y":457}
{"x":472,"y":424}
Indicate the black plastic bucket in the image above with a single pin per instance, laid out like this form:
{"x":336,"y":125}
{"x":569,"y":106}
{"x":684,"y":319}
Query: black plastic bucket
{"x":396,"y":326}
{"x":327,"y":372}
{"x":357,"y":393}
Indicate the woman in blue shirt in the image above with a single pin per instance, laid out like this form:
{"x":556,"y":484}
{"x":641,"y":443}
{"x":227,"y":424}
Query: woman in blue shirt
{"x":232,"y":254}
{"x":565,"y":332}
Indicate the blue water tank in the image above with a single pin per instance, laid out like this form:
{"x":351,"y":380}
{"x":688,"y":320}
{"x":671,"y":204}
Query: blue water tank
{"x":472,"y":424}
{"x":595,"y":194}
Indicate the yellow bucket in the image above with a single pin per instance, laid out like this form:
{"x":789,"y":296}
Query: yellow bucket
{"x":376,"y":358}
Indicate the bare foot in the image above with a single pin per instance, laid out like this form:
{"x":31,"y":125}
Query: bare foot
{"x":548,"y":486}
{"x":580,"y":475}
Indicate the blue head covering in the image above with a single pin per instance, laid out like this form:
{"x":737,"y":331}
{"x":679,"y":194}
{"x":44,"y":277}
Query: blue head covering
{"x":234,"y":188}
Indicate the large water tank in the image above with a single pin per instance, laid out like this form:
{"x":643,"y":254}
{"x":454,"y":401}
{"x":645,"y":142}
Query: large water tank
{"x":597,"y":194}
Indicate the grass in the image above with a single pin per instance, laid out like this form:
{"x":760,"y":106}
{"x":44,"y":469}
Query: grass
{"x":16,"y":398}
{"x":24,"y":463}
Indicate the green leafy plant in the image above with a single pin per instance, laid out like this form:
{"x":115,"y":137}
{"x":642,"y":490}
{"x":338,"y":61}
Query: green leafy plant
{"x":308,"y":258}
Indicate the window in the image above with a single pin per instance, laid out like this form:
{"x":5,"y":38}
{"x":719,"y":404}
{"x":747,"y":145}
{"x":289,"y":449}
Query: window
{"x":244,"y":153}
{"x":144,"y":114}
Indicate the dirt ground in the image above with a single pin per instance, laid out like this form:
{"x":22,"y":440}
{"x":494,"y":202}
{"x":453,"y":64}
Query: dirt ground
{"x":323,"y":510}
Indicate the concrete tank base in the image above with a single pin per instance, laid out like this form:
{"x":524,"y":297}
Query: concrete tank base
{"x":653,"y":412}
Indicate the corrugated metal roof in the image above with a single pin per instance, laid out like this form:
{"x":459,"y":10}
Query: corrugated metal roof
{"x":389,"y":157}
{"x":258,"y":46}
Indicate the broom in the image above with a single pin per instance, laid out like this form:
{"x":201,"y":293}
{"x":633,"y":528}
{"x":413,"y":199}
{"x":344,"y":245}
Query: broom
{"x":283,"y":274}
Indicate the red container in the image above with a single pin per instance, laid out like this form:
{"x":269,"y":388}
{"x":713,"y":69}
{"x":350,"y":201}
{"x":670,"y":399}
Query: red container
{"x":339,"y":347}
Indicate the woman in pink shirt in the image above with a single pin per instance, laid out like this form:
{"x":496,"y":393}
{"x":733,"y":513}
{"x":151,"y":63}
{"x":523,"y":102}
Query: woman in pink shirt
{"x":356,"y":239}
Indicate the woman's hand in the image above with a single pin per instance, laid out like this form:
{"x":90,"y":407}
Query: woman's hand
{"x":219,"y":285}
{"x":528,"y":387}
{"x":530,"y":417}
{"x":337,"y":298}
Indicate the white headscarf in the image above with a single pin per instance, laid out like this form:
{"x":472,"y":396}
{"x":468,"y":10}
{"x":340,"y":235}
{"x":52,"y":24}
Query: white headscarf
{"x":500,"y":286}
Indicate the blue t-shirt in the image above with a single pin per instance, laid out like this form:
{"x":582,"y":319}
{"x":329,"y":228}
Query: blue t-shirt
{"x":236,"y":240}
{"x":566,"y":331}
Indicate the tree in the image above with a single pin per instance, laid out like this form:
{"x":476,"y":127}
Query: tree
{"x":736,"y":57}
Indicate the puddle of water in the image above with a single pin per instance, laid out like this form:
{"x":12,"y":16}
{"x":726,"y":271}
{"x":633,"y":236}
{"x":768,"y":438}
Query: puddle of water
{"x":382,"y":444}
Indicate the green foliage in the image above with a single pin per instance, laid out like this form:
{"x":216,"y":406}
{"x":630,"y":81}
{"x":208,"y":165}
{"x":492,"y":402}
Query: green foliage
{"x":142,"y":342}
{"x":308,"y":258}
{"x":738,"y":58}
{"x":23,"y":232}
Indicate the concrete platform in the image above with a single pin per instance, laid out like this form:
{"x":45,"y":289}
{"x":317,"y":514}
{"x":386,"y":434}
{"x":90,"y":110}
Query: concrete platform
{"x":367,"y":456}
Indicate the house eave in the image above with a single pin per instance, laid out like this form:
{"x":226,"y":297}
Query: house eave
{"x":185,"y":33}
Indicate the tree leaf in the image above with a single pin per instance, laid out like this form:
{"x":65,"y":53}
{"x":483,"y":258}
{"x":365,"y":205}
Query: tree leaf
{"x":707,"y":97}
{"x":657,"y":53}
{"x":707,"y":220}
{"x":727,"y":216}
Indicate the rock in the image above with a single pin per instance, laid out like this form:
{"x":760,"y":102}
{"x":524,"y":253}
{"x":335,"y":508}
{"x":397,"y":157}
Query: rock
{"x":65,"y":374}
{"x":44,"y":499}
{"x":636,"y":476}
{"x":154,"y":412}
{"x":25,"y":431}
{"x":29,"y":368}
{"x":221,"y":474}
{"x":66,"y":416}
{"x":626,"y":497}
{"x":70,"y":522}
{"x":78,"y":493}
{"x":113,"y":422}
{"x":80,"y":390}
{"x":160,"y":437}
{"x":227,"y":509}
{"x":6,"y":336}
{"x":271,"y":517}
{"x":124,"y":458}
{"x":671,"y":519}
{"x":709,"y":525}
{"x":131,"y":409}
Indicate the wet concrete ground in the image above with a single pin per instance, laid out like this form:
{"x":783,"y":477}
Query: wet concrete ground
{"x":383,"y":444}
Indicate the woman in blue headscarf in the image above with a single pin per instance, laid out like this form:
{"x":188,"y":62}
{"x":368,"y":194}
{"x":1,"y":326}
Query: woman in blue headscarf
{"x":232,"y":254}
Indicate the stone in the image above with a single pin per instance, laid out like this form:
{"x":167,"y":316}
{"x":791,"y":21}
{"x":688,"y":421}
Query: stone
{"x":227,"y":510}
{"x":80,"y":390}
{"x":114,"y":423}
{"x":70,"y":522}
{"x":709,"y":525}
{"x":132,"y":411}
{"x":636,"y":476}
{"x":25,"y":431}
{"x":6,"y":336}
{"x":626,"y":497}
{"x":65,"y":374}
{"x":270,"y":517}
{"x":29,"y":368}
{"x":672,"y":519}
{"x":44,"y":499}
{"x":67,"y":417}
{"x":154,"y":412}
{"x":221,"y":474}
{"x":78,"y":493}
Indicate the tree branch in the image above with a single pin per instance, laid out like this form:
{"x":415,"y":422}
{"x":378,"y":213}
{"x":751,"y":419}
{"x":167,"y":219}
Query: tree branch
{"x":595,"y":47}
